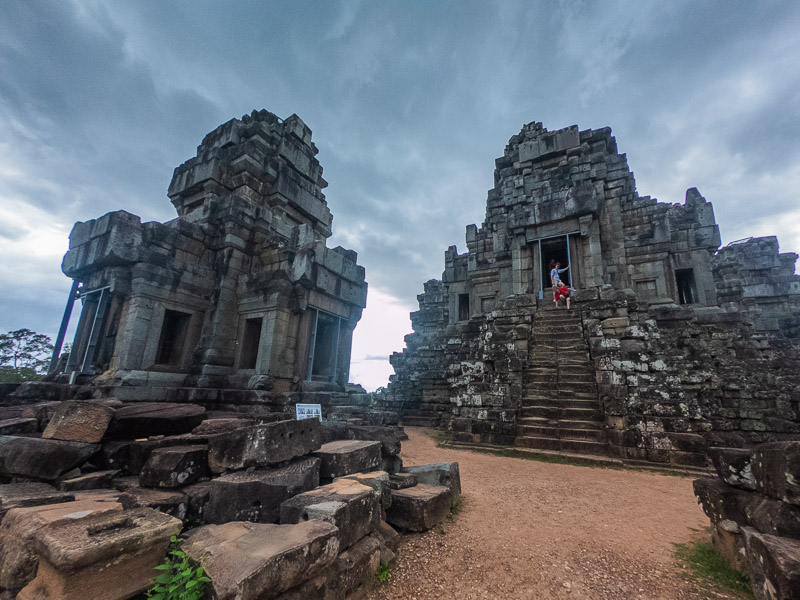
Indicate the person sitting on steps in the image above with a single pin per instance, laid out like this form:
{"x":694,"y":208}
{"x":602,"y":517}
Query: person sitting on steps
{"x":562,"y":291}
{"x":555,"y":275}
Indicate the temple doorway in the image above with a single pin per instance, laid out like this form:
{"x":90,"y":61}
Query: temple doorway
{"x":555,"y":249}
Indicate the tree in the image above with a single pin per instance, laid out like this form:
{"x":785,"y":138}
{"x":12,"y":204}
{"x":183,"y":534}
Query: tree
{"x":24,"y":355}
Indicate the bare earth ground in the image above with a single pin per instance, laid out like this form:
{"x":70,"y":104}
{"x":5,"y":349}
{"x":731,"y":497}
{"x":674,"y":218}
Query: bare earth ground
{"x":531,"y":529}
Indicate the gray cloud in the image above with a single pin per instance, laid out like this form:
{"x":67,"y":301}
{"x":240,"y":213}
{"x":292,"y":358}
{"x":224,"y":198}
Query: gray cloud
{"x":410,"y":104}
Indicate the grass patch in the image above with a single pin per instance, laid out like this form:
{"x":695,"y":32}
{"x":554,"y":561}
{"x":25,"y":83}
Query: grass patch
{"x":442,"y":437}
{"x":456,"y":508}
{"x":383,"y":573}
{"x":709,"y":569}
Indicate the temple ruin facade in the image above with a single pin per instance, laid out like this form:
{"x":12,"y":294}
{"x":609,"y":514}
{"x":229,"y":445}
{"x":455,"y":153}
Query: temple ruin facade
{"x":673,"y":344}
{"x":239,"y":292}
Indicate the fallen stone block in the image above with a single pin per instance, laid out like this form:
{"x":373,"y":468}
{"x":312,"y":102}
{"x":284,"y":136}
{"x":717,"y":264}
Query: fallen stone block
{"x":345,"y":457}
{"x":263,"y":445}
{"x":387,"y":436}
{"x":401,"y":481}
{"x":255,"y":561}
{"x":156,"y":418}
{"x":353,"y":571}
{"x":727,"y":538}
{"x":723,"y":502}
{"x":446,"y":474}
{"x":18,"y":425}
{"x":197,"y":496}
{"x":123,"y":484}
{"x":18,"y":495}
{"x":352,"y":507}
{"x":140,"y":450}
{"x":773,"y":564}
{"x":378,"y":481}
{"x":733,"y":467}
{"x":222,"y":425}
{"x":257,"y":496}
{"x":89,"y":481}
{"x":419,"y":508}
{"x":174,"y":466}
{"x":18,"y":558}
{"x":41,"y":459}
{"x":168,"y":502}
{"x":776,"y":470}
{"x":110,"y":556}
{"x":387,"y":535}
{"x":76,"y":421}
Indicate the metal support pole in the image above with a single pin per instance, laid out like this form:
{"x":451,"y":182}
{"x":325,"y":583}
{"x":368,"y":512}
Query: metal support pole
{"x":569,"y":265}
{"x":541,"y":271}
{"x":62,"y":331}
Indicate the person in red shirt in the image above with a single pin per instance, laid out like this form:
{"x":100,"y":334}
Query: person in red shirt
{"x":562,"y":291}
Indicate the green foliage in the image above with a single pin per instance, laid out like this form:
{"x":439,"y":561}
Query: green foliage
{"x":456,"y":508}
{"x":442,"y":438}
{"x":383,"y":573}
{"x":711,"y":570}
{"x":178,"y":579}
{"x":24,"y":356}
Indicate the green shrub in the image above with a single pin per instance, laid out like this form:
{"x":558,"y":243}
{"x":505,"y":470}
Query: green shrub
{"x":178,"y":579}
{"x":383,"y":573}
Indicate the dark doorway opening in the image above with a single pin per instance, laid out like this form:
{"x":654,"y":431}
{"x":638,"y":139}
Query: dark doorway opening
{"x":687,"y":291}
{"x":555,"y":250}
{"x":325,"y":343}
{"x":463,"y":307}
{"x":250,"y":342}
{"x":173,"y":338}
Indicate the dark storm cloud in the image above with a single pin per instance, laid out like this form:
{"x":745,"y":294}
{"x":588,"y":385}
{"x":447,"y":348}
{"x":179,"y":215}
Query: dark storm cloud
{"x":410,"y":103}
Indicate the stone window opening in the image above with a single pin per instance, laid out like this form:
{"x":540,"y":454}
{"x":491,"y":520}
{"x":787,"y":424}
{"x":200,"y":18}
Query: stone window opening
{"x":251,"y":340}
{"x":463,"y":307}
{"x":687,"y":291}
{"x":324,"y":346}
{"x":173,"y":338}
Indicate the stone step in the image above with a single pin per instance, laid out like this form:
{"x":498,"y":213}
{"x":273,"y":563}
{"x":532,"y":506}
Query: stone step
{"x":569,"y":424}
{"x":544,"y":399}
{"x":559,"y":432}
{"x":579,"y":446}
{"x":552,"y":377}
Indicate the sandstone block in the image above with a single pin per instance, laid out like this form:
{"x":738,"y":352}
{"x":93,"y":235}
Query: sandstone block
{"x":733,"y":467}
{"x":257,"y":496}
{"x":773,"y":564}
{"x":387,"y":436}
{"x":263,"y":445}
{"x":109,"y":556}
{"x":18,"y":425}
{"x":90,"y":481}
{"x":18,"y":558}
{"x":354,"y":569}
{"x":378,"y":481}
{"x":254,"y":561}
{"x":221,"y":425}
{"x":174,"y":466}
{"x":345,"y":457}
{"x":156,"y":418}
{"x":41,"y":459}
{"x":401,"y":481}
{"x":77,"y":421}
{"x":139,"y":451}
{"x":776,"y":470}
{"x":169,"y":502}
{"x":723,"y":502}
{"x":727,"y":538}
{"x":18,"y":495}
{"x":446,"y":474}
{"x":419,"y":508}
{"x":352,"y":507}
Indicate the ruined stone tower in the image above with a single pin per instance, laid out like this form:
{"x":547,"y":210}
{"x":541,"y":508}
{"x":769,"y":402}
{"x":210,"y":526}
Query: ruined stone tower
{"x":239,"y":291}
{"x":674,"y":344}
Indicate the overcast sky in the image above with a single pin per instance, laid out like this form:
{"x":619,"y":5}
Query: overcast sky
{"x":409,"y":102}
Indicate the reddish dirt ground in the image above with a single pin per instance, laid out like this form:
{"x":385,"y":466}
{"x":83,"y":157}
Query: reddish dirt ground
{"x":531,"y":529}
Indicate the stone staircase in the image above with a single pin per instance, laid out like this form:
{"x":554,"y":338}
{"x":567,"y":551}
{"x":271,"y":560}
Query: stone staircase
{"x":560,"y":407}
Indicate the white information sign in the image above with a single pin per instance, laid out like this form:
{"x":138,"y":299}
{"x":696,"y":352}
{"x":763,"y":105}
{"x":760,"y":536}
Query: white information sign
{"x":309,"y":411}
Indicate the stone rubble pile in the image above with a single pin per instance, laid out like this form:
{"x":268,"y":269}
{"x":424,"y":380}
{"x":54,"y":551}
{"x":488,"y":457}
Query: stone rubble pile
{"x":754,"y":509}
{"x":92,"y":491}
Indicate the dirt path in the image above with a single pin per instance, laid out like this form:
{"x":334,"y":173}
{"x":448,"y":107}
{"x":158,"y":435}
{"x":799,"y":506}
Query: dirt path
{"x":530,"y":529}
